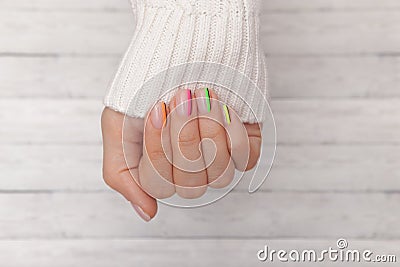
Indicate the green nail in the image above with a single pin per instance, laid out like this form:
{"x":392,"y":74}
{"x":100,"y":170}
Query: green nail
{"x":208,"y":99}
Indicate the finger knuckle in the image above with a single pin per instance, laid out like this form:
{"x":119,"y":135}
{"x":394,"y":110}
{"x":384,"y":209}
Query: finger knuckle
{"x":156,"y":155}
{"x":188,"y":139}
{"x":212,"y":131}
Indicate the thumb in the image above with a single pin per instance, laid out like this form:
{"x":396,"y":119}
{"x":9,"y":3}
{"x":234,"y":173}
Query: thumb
{"x":120,"y":170}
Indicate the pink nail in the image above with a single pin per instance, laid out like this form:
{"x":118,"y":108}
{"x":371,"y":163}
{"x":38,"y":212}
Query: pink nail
{"x":189,"y":97}
{"x":184,"y":102}
{"x":141,"y":213}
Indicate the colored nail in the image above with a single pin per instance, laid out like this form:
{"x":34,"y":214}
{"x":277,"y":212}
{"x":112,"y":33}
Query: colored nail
{"x":141,"y":213}
{"x":227,"y":115}
{"x":207,"y":93}
{"x":184,"y":102}
{"x":164,"y":112}
{"x":189,"y":99}
{"x":203,"y":100}
{"x":159,"y":115}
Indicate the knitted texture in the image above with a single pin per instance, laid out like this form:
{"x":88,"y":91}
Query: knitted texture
{"x":174,"y":32}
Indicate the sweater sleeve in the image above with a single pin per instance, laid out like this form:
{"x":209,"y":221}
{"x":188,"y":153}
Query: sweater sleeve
{"x":173,"y":33}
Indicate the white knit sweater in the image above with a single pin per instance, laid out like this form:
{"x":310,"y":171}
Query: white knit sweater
{"x":174,"y":32}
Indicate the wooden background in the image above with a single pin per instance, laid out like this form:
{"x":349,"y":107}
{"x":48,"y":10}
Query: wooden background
{"x":335,"y":80}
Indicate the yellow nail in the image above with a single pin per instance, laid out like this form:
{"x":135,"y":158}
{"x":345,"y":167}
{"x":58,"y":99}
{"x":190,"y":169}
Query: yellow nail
{"x":227,"y":115}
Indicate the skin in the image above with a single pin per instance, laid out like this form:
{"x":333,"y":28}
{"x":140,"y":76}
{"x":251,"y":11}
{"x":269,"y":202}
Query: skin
{"x":145,"y":173}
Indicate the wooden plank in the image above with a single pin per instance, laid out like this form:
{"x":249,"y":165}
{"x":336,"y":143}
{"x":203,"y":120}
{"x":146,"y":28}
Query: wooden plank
{"x":65,"y":32}
{"x":337,"y":168}
{"x":51,"y":168}
{"x":56,"y":77}
{"x":327,"y":77}
{"x":320,"y":168}
{"x":48,"y":121}
{"x":289,"y":77}
{"x":314,"y":33}
{"x":341,"y":121}
{"x":76,"y":121}
{"x":269,"y":5}
{"x":73,"y":5}
{"x":327,"y":6}
{"x":211,"y":252}
{"x":334,"y":33}
{"x":261,"y":215}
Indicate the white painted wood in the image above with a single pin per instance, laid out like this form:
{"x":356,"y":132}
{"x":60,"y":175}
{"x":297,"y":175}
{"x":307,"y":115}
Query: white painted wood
{"x":55,"y":168}
{"x":336,"y":168}
{"x":49,"y":121}
{"x":65,"y":32}
{"x":261,"y":215}
{"x":302,"y":168}
{"x":337,"y":121}
{"x":327,"y":5}
{"x":77,"y":121}
{"x":328,"y":77}
{"x":56,"y":77}
{"x":335,"y":33}
{"x":314,"y":33}
{"x":172,"y":252}
{"x":291,"y":77}
{"x":71,"y":5}
{"x":269,"y":5}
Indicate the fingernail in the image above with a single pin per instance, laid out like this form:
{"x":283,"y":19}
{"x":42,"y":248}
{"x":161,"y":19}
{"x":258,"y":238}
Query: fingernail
{"x":227,"y":114}
{"x":159,"y":115}
{"x":141,"y":213}
{"x":184,"y":102}
{"x":203,"y":100}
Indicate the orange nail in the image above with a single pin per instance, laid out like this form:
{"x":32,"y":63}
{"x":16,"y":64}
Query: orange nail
{"x":164,"y":114}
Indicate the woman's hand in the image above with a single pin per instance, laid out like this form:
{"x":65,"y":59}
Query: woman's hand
{"x":203,"y":138}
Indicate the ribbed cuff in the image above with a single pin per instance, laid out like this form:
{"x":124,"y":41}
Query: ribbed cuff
{"x":170,"y":34}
